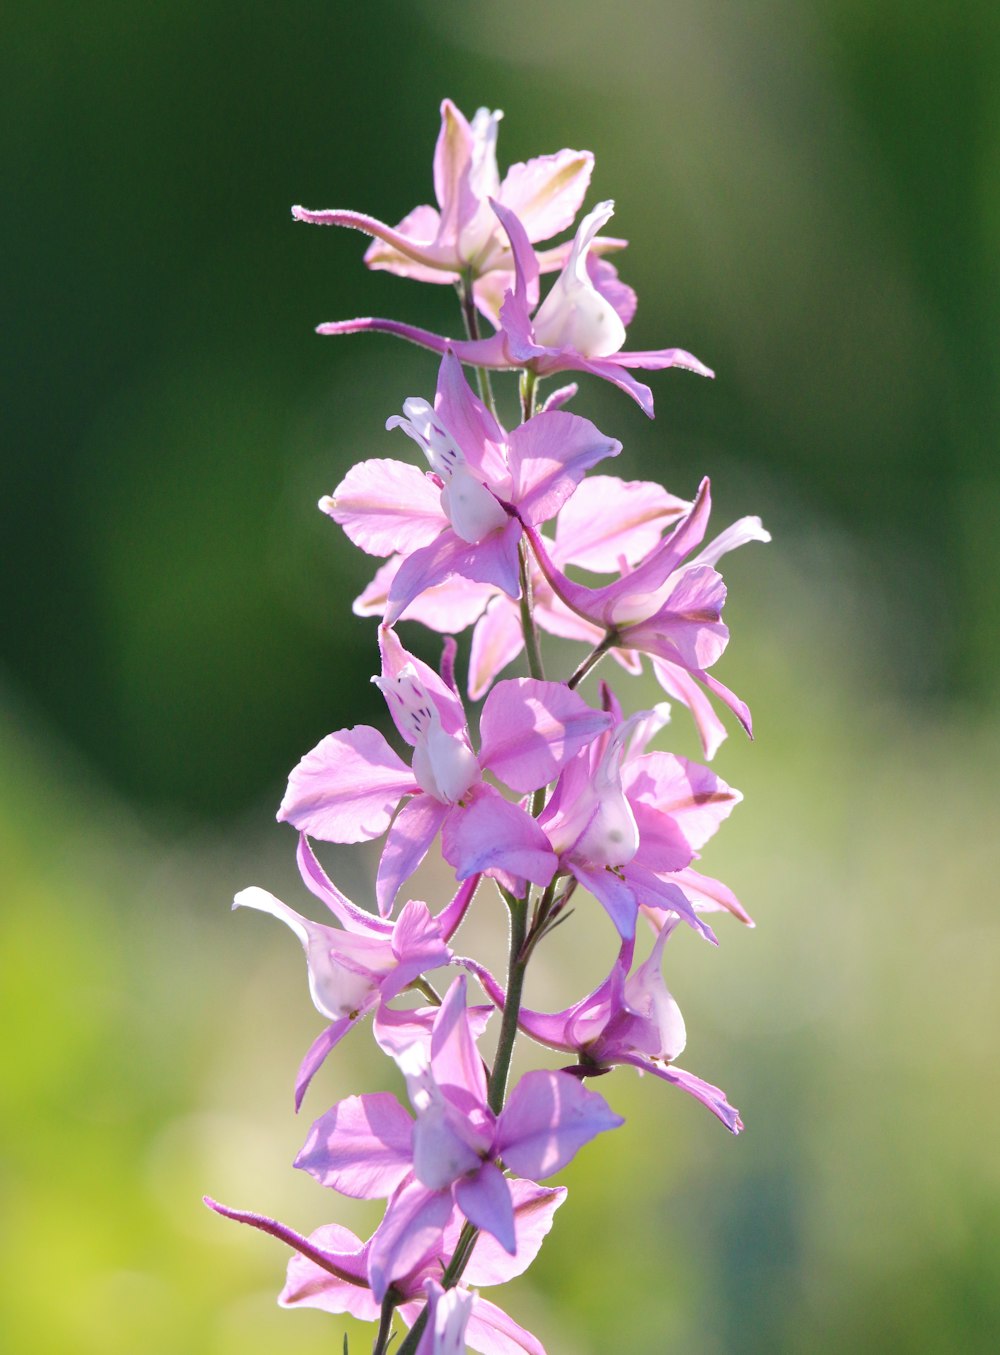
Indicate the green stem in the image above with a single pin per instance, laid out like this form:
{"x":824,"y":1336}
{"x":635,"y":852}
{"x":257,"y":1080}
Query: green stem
{"x":453,"y":1272}
{"x":385,"y":1323}
{"x":529,"y":389}
{"x":532,"y":647}
{"x":470,"y":318}
{"x":516,"y":965}
{"x":592,"y":660}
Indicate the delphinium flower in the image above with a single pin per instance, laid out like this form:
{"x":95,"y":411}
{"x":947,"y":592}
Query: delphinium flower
{"x":542,"y":801}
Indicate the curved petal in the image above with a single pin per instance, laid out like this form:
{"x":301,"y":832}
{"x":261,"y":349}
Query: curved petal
{"x":547,"y":1119}
{"x":362,"y":1147}
{"x":489,"y":834}
{"x":695,"y":798}
{"x":534,"y":1209}
{"x":492,"y":560}
{"x":316,"y":880}
{"x":321,"y":1046}
{"x":485,"y":1201}
{"x":530,"y":730}
{"x":712,"y":1097}
{"x":545,"y":193}
{"x":347,"y":787}
{"x":548,"y":457}
{"x":385,"y":506}
{"x":491,"y":1332}
{"x":496,"y":642}
{"x":414,"y":1218}
{"x":413,"y":830}
{"x":430,"y":255}
{"x":591,"y":536}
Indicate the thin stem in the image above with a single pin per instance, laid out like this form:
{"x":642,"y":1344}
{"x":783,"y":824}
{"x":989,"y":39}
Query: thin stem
{"x":528,"y":389}
{"x":470,"y":318}
{"x":428,"y":990}
{"x":385,"y":1323}
{"x":592,"y":660}
{"x":532,"y":647}
{"x":516,"y":965}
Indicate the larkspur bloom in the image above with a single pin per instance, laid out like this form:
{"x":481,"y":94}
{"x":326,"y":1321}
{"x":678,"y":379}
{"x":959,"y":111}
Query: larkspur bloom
{"x":335,"y":1271}
{"x":629,"y":1019}
{"x":667,"y":605}
{"x":366,"y":961}
{"x":348,"y":787}
{"x":462,"y":235}
{"x":626,"y":823}
{"x":463,"y":518}
{"x":579,"y":327}
{"x":368,"y":1147}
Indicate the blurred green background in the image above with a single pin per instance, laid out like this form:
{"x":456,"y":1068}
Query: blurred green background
{"x":812,"y":192}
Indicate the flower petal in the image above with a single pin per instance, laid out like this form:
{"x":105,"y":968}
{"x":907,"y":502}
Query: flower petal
{"x":489,"y":834}
{"x":347,"y":787}
{"x":530,"y":730}
{"x":548,"y":457}
{"x":485,"y":1201}
{"x":361,"y":1147}
{"x":547,"y":1119}
{"x":413,"y":830}
{"x":385,"y":506}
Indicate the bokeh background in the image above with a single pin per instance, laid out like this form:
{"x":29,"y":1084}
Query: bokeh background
{"x":812,"y":192}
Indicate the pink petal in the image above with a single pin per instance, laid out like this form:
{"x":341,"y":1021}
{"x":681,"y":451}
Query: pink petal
{"x":548,"y":457}
{"x":678,"y":683}
{"x":361,"y":1147}
{"x":414,"y":1220}
{"x":712,"y":896}
{"x":612,"y":893}
{"x":450,"y":917}
{"x":547,"y":1119}
{"x":686,"y":627}
{"x":662,"y":844}
{"x":591,"y":535}
{"x":320,"y":1048}
{"x":694,"y":797}
{"x":456,"y":1064}
{"x":650,"y":891}
{"x":488,"y":834}
{"x":491,"y":1332}
{"x":485,"y":1201}
{"x":347,"y":787}
{"x":448,"y":607}
{"x":534,"y":1210}
{"x":530,"y":730}
{"x":492,"y":561}
{"x":316,"y":880}
{"x":605,"y":280}
{"x":418,"y":946}
{"x":496,"y":642}
{"x":396,"y":659}
{"x":491,"y":352}
{"x":420,"y":228}
{"x":387,"y":506}
{"x":413,"y":830}
{"x":469,"y":422}
{"x":546,"y":193}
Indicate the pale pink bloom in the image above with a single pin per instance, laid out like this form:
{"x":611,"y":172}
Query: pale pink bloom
{"x":580,"y":326}
{"x":364,"y":962}
{"x":462,"y":235}
{"x":631,"y":1018}
{"x":462,"y":518}
{"x":333,"y":1270}
{"x":348,"y":787}
{"x":368,"y":1147}
{"x":667,"y":605}
{"x":625,"y":823}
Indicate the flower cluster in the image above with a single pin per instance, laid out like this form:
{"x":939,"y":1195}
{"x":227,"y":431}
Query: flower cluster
{"x":552,"y":795}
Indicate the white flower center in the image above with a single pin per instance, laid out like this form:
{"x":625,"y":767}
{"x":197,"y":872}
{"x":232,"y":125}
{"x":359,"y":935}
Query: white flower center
{"x":575,"y":314}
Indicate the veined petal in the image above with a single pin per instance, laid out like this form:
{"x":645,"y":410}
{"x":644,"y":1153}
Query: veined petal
{"x":387,"y":506}
{"x":679,"y":683}
{"x":492,"y":560}
{"x":413,"y":830}
{"x":470,"y":423}
{"x":485,"y":1201}
{"x":347,"y":787}
{"x":547,"y":1119}
{"x":456,"y":1063}
{"x":530,"y":730}
{"x":496,"y":642}
{"x":548,"y":457}
{"x":708,"y":895}
{"x":695,"y":798}
{"x":448,"y":607}
{"x":362,"y":1147}
{"x":488,"y":834}
{"x":591,"y":535}
{"x":650,"y":890}
{"x":545,"y":193}
{"x":534,"y":1209}
{"x":414,"y":1218}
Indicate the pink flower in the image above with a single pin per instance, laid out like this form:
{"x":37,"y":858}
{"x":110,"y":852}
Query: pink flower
{"x":580,"y":326}
{"x":462,"y":235}
{"x":367,"y":1146}
{"x":628,"y":1019}
{"x":626,"y":824}
{"x":348,"y":787}
{"x":334,"y":1271}
{"x":363,"y":963}
{"x":667,"y":605}
{"x":463,"y":518}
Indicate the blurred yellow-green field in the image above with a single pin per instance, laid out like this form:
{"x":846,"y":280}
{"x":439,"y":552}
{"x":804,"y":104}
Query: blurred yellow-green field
{"x":812,"y":197}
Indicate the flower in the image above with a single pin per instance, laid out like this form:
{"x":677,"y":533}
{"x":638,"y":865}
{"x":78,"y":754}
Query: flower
{"x":334,"y":1271}
{"x":366,"y":961}
{"x":580,"y":326}
{"x":624,"y":823}
{"x":462,"y":235}
{"x":348,"y":787}
{"x":463,"y":518}
{"x":628,"y":1019}
{"x":367,"y":1146}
